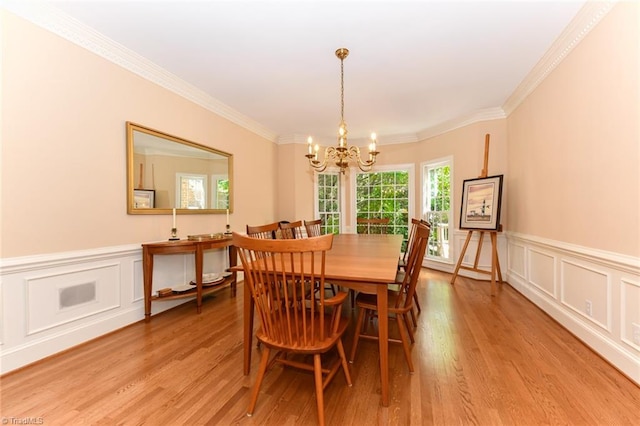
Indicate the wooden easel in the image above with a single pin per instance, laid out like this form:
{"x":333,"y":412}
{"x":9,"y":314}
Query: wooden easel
{"x":495,"y":262}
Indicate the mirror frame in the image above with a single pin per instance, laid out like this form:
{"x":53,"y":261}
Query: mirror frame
{"x":131,"y":127}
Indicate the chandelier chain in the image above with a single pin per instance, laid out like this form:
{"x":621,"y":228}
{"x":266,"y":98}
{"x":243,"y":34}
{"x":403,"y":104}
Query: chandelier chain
{"x":341,"y":91}
{"x":342,"y":154}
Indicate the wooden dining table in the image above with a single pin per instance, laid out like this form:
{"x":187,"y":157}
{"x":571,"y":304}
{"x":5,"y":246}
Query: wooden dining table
{"x":365,"y":263}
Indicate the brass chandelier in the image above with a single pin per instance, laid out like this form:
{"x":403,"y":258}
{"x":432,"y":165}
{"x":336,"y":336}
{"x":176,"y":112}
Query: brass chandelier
{"x":342,"y":154}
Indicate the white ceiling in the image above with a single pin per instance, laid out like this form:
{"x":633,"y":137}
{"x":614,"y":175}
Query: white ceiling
{"x":413,"y":66}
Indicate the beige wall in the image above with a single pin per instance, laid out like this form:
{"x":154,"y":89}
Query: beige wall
{"x":574,"y":144}
{"x":295,"y":184}
{"x":572,"y":149}
{"x":64,"y":153}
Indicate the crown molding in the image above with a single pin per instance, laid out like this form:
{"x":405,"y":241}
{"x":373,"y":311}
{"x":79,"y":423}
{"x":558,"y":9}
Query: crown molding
{"x":54,"y":20}
{"x":584,"y":21}
{"x":386,"y":140}
{"x":475,"y":117}
{"x":57,"y":22}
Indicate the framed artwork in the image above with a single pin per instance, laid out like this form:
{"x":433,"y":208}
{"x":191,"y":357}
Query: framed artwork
{"x":144,"y":198}
{"x":481,"y":200}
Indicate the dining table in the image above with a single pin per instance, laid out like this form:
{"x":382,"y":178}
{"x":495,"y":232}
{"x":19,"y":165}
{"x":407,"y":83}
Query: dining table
{"x":361,"y":262}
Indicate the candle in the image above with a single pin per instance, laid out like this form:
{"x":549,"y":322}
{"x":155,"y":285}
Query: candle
{"x":310,"y":142}
{"x":174,"y":218}
{"x":227,"y":217}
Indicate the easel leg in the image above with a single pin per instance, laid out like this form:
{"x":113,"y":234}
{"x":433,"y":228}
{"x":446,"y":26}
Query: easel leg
{"x":479,"y":250}
{"x":495,"y":263}
{"x":464,"y":249}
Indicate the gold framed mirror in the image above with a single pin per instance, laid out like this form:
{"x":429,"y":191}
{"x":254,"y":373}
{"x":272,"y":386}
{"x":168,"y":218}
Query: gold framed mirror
{"x":166,"y":172}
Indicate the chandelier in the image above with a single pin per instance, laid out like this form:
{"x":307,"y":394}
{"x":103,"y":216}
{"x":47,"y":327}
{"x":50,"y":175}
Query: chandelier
{"x":342,"y":154}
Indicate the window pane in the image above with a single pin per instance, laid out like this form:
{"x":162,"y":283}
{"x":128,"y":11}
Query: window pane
{"x":328,"y":186}
{"x":384,"y":194}
{"x":437,"y":208}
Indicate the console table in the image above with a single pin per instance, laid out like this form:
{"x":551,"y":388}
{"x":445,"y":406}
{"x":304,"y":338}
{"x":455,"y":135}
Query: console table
{"x":197,"y":246}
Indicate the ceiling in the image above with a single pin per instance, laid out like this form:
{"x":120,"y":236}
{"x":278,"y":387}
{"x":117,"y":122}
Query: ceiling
{"x":413,"y":65}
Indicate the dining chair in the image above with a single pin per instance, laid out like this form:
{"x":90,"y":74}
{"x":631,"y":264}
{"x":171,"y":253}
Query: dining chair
{"x":400,"y":300}
{"x":402,"y":263}
{"x":267,"y":232}
{"x":313,"y":227}
{"x":276,"y":273}
{"x":372,"y":225}
{"x":291,"y":230}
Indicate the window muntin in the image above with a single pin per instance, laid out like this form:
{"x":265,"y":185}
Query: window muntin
{"x":192,"y":191}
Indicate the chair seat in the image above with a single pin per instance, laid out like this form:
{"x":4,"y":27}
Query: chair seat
{"x":370,"y":301}
{"x":319,"y":346}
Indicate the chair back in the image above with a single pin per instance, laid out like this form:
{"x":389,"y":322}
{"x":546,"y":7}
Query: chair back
{"x":278,"y":274}
{"x":313,"y":227}
{"x":291,"y":230}
{"x":372,"y":225}
{"x":404,"y":297}
{"x":263,"y":231}
{"x":412,"y":233}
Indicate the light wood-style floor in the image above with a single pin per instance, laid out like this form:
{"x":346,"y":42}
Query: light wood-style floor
{"x":479,"y":360}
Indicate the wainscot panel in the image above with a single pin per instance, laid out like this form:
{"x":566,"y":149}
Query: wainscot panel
{"x":630,"y":313}
{"x":543,"y":272}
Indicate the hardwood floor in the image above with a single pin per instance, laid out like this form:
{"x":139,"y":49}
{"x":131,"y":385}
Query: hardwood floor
{"x":478,"y":360}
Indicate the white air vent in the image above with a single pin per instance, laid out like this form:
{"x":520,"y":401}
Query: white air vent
{"x":77,"y":295}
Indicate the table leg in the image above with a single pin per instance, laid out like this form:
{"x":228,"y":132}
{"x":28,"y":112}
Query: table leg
{"x":147,"y":272}
{"x":233,"y":256}
{"x":248,"y":328}
{"x":383,"y":340}
{"x":199,"y":261}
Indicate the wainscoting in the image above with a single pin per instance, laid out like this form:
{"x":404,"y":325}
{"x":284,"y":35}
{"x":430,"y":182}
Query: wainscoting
{"x":593,"y":294}
{"x":53,"y":302}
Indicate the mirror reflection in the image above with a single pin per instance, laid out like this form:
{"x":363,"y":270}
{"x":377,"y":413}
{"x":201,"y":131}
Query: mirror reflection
{"x":166,"y":172}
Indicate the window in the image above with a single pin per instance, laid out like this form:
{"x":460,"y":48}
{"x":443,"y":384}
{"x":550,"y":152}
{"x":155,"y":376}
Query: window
{"x":220,"y":191}
{"x":191,"y":191}
{"x":386,"y":193}
{"x":328,"y":201}
{"x":437,"y":195}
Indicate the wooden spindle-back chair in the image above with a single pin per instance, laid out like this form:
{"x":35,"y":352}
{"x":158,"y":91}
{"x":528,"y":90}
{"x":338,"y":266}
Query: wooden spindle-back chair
{"x":291,"y":230}
{"x":278,"y":273}
{"x":402,"y":264}
{"x":313,"y":227}
{"x":400,"y":300}
{"x":372,"y":225}
{"x":263,"y":231}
